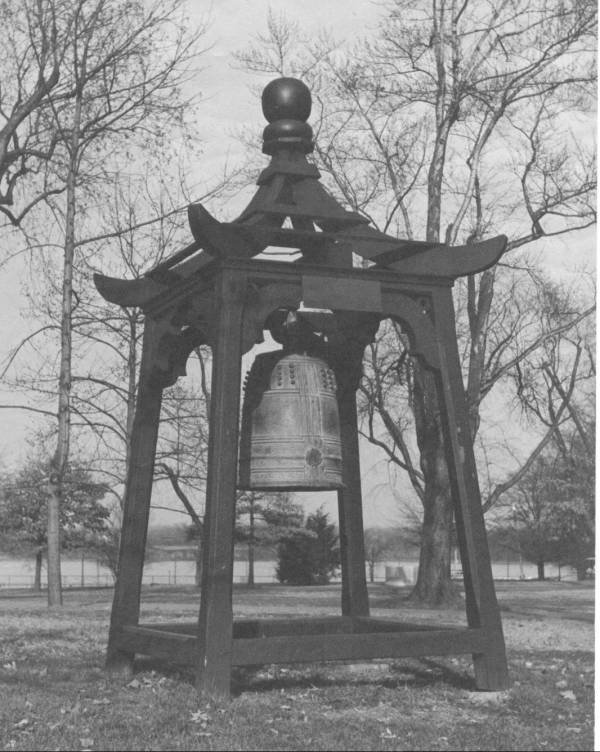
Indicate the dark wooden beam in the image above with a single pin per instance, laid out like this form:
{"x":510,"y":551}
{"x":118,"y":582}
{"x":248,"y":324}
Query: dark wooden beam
{"x":308,"y":648}
{"x":213,"y":660}
{"x":127,"y":292}
{"x":491,"y":671}
{"x":355,"y":598}
{"x":343,"y":647}
{"x":453,"y":261}
{"x":136,"y":510}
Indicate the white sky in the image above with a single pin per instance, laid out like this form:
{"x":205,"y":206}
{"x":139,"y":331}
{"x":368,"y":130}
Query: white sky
{"x":229,"y":104}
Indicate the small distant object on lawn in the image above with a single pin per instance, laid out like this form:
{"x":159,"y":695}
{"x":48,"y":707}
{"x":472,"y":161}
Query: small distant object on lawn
{"x":395,"y":576}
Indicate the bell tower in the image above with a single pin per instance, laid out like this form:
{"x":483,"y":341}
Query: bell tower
{"x":299,"y":407}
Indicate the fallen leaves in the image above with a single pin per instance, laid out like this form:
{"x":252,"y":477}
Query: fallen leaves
{"x":488,"y":698}
{"x":569,"y":695}
{"x":149,"y":681}
{"x":202,"y":718}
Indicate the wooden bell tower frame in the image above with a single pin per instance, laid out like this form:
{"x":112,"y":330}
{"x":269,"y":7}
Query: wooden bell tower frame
{"x":217,"y":292}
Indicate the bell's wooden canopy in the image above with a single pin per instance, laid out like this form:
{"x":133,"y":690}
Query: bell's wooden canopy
{"x":292,"y":209}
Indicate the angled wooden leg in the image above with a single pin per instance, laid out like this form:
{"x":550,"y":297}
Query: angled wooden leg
{"x":355,"y":599}
{"x":491,"y":670}
{"x":136,"y":510}
{"x":215,"y":625}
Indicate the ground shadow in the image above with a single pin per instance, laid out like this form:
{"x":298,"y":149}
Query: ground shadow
{"x":412,"y":673}
{"x":393,"y":675}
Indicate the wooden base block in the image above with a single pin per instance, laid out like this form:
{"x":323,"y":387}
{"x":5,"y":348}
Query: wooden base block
{"x":260,"y":642}
{"x":119,"y":664}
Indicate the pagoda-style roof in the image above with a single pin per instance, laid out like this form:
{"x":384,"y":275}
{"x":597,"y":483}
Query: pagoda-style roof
{"x":292,"y":209}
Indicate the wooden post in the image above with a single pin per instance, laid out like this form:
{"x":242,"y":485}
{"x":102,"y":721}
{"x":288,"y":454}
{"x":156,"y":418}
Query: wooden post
{"x":491,"y":670}
{"x":136,"y":509}
{"x":355,"y":598}
{"x":215,"y":624}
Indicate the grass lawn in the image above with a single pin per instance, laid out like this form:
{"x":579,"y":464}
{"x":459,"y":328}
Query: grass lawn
{"x":54,"y":694}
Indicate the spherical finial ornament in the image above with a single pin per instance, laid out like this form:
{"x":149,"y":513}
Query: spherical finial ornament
{"x":286,"y":99}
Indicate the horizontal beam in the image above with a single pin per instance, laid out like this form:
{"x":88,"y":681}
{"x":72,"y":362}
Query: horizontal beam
{"x":343,"y":647}
{"x":294,"y":645}
{"x":255,"y":628}
{"x":170,"y":646}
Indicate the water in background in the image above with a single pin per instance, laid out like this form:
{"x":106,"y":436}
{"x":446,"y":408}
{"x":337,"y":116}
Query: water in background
{"x":87,"y":572}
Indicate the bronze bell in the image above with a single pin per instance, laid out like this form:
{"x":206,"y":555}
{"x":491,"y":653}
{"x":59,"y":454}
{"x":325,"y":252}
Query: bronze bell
{"x":290,"y":437}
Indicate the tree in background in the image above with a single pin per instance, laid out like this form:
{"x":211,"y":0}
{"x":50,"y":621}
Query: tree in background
{"x":552,"y":513}
{"x":263,"y":520}
{"x":310,"y":555}
{"x":122,"y":67}
{"x":120,"y":87}
{"x":575,"y":490}
{"x":535,"y":520}
{"x":453,"y":122}
{"x":384,"y":543}
{"x":23,"y":512}
{"x":35,"y":42}
{"x":106,"y":547}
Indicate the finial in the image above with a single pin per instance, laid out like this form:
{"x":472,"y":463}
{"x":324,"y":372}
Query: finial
{"x":286,"y":104}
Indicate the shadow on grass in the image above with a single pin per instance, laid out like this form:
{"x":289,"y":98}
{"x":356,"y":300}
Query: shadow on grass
{"x":415,"y":673}
{"x":584,"y":614}
{"x":389,"y":676}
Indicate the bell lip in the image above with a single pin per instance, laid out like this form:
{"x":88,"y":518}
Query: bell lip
{"x":292,"y":487}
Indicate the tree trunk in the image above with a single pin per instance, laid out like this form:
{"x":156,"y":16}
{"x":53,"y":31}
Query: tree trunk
{"x":540,"y":570}
{"x":131,"y":391}
{"x":53,"y":535}
{"x":479,"y":303}
{"x":251,"y":548}
{"x":37,"y":580}
{"x":198,"y":570}
{"x":434,"y":184}
{"x":434,"y":584}
{"x":61,"y":456}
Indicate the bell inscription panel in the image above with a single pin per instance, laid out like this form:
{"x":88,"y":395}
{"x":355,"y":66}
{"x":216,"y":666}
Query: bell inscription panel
{"x":342,"y":294}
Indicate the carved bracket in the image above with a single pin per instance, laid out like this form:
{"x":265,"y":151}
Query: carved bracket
{"x":261,"y":300}
{"x":171,"y":345}
{"x":415,"y":319}
{"x":347,"y":342}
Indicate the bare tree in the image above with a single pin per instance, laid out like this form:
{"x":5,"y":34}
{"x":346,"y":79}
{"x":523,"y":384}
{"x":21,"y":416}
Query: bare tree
{"x":107,"y":342}
{"x":35,"y":40}
{"x":460,"y":119}
{"x":117,"y":88}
